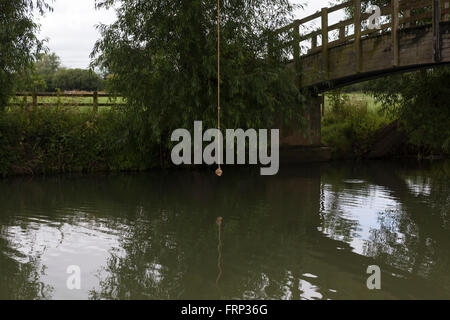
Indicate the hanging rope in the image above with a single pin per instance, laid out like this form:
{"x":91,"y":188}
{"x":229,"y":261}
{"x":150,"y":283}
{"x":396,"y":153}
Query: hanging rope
{"x":219,"y":171}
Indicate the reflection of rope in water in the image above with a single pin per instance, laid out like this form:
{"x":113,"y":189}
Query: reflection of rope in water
{"x":219,"y":249}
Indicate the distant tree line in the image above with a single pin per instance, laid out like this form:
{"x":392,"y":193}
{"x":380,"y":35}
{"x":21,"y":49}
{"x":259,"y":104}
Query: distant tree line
{"x":49,"y":75}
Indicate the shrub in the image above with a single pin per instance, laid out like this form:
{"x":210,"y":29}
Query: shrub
{"x":349,"y":125}
{"x":50,"y":140}
{"x":77,"y":79}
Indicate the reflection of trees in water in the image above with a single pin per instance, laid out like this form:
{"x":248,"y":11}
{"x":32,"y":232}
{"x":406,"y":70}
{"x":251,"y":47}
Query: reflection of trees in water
{"x":396,"y":241}
{"x":334,"y":223}
{"x":174,"y":255}
{"x":168,"y":246}
{"x":415,"y":236}
{"x":20,"y":280}
{"x":170,"y":252}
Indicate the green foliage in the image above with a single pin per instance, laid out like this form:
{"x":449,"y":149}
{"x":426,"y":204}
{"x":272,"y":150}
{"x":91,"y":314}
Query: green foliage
{"x":418,"y":99}
{"x":46,"y":74}
{"x":45,"y":140}
{"x":421,"y":101}
{"x":76,"y":79}
{"x":46,"y":67}
{"x":349,"y":125}
{"x":19,"y":45}
{"x":162,"y":56}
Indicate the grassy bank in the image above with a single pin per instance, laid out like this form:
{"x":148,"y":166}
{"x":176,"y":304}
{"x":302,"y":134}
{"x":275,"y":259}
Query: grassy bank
{"x":349,"y":123}
{"x":75,"y":139}
{"x":49,"y":139}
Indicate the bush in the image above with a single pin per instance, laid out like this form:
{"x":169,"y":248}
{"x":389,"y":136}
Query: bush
{"x":46,"y":140}
{"x":77,"y":79}
{"x":420,"y":101}
{"x":349,"y":126}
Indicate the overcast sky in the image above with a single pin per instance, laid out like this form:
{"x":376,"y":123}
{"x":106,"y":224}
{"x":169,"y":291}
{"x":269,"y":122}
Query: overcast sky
{"x":71,"y":32}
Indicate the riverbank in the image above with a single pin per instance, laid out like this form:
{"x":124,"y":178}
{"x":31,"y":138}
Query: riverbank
{"x":355,"y":127}
{"x":48,"y":140}
{"x":57,"y":140}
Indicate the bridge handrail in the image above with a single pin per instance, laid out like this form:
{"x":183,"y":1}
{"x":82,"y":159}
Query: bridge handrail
{"x":403,"y":14}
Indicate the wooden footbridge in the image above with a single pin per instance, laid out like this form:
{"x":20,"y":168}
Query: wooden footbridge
{"x":412,"y":34}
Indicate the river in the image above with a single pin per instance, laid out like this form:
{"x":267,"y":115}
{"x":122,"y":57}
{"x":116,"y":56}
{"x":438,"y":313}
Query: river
{"x":310,"y":232}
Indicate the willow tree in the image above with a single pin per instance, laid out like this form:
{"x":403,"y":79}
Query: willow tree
{"x":19,"y":44}
{"x":162,"y":57}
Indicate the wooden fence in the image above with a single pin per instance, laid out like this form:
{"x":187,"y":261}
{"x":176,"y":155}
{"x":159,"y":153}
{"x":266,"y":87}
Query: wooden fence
{"x":94,"y":95}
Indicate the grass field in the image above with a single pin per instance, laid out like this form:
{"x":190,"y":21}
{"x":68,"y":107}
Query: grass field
{"x":358,"y":98}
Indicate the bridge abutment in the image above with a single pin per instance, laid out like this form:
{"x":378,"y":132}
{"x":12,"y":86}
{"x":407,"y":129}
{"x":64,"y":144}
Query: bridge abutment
{"x":292,"y":136}
{"x":298,"y":146}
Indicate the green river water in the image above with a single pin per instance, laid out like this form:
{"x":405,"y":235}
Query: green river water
{"x":308,"y":233}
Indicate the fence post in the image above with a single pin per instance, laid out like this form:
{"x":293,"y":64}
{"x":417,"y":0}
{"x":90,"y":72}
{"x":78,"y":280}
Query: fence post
{"x":446,"y":6}
{"x":34,"y":96}
{"x":297,"y":51}
{"x":358,"y":35}
{"x":395,"y":32}
{"x":407,"y":16}
{"x":436,"y":30}
{"x":341,"y":33}
{"x":325,"y":42}
{"x":95,"y":95}
{"x":323,"y":104}
{"x":270,"y":49}
{"x":314,"y":42}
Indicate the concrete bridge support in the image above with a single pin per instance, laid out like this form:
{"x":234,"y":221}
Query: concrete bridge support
{"x":311,"y":135}
{"x":305,"y":145}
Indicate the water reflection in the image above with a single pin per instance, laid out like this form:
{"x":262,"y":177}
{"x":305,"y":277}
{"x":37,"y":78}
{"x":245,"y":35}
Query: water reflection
{"x":219,"y":221}
{"x":308,"y":233}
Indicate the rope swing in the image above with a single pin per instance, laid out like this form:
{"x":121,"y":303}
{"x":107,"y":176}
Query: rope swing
{"x":219,"y":171}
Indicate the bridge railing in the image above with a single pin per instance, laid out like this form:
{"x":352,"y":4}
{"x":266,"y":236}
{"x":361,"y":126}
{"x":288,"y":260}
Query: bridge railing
{"x":399,"y":14}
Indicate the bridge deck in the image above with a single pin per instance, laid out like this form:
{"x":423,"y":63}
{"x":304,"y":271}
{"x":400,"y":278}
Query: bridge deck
{"x":416,"y":34}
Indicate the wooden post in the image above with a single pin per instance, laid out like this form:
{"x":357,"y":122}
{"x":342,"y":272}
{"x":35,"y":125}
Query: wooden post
{"x":325,"y":42}
{"x":95,"y":102}
{"x":297,"y":62}
{"x":34,"y":95}
{"x":342,"y":33}
{"x":270,"y":50}
{"x":395,"y":32}
{"x":296,"y":32}
{"x":358,"y":35}
{"x":407,"y":16}
{"x":323,"y":104}
{"x":314,"y":42}
{"x":446,"y":6}
{"x":436,"y":31}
